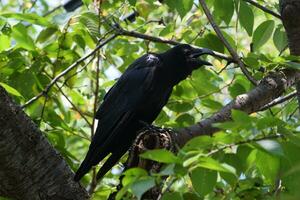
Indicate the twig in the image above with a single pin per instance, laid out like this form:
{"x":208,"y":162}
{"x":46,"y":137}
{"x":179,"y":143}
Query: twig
{"x":244,"y":142}
{"x":48,"y":87}
{"x":278,"y":101}
{"x":60,"y":45}
{"x":52,"y":11}
{"x":119,"y":31}
{"x":292,"y":114}
{"x":263,"y":8}
{"x":226,"y":43}
{"x":93,"y":183}
{"x":43,"y":110}
{"x":32,"y":5}
{"x":161,"y":40}
{"x":74,"y":107}
{"x":146,"y":37}
{"x":218,"y":90}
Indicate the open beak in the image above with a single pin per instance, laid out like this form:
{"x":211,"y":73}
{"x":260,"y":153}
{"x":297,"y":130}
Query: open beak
{"x":202,"y":51}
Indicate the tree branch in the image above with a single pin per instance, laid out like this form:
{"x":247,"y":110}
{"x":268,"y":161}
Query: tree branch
{"x":119,"y":31}
{"x":263,"y":8}
{"x":226,"y":43}
{"x":278,"y":101}
{"x":271,"y":87}
{"x":161,"y":40}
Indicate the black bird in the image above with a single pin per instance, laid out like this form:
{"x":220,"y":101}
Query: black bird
{"x":135,"y":100}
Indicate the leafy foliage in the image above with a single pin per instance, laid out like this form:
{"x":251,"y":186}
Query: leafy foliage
{"x":252,"y":157}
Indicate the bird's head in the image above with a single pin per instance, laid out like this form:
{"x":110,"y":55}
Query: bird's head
{"x":192,"y":56}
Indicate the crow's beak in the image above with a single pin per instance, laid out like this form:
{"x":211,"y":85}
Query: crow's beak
{"x":202,"y":51}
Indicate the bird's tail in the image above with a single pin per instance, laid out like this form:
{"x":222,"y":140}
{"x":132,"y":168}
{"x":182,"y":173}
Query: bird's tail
{"x":83,"y":169}
{"x":90,"y":160}
{"x":109,"y":163}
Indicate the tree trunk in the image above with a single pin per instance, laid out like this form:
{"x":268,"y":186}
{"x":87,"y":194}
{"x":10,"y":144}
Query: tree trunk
{"x":30,"y":168}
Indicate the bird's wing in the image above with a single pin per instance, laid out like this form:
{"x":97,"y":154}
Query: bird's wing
{"x":118,"y":109}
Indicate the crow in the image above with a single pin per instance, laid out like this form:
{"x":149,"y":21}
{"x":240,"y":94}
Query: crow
{"x":136,"y":99}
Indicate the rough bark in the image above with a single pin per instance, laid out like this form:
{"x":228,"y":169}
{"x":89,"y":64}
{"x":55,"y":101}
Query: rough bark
{"x":30,"y":168}
{"x":289,"y":10}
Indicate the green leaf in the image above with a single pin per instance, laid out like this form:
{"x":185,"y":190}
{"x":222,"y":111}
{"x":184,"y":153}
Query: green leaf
{"x":178,"y":106}
{"x":262,"y":34}
{"x":91,"y":21}
{"x":268,"y":165}
{"x":46,"y":33}
{"x":204,"y":87}
{"x":203,"y":180}
{"x":187,"y":5}
{"x":29,"y":17}
{"x":233,"y":160}
{"x":240,"y":117}
{"x":251,"y":61}
{"x":210,"y":163}
{"x":267,"y":122}
{"x":160,"y":155}
{"x":79,"y":40}
{"x":185,"y":120}
{"x":140,"y":186}
{"x":224,"y":10}
{"x":280,"y":38}
{"x":135,"y":172}
{"x":271,"y":146}
{"x":11,"y":90}
{"x":236,"y":89}
{"x":172,"y":196}
{"x":290,"y":166}
{"x":182,"y":7}
{"x":87,"y":2}
{"x":212,"y":42}
{"x":293,"y":65}
{"x":4,"y":41}
{"x":246,"y":17}
{"x":132,"y":2}
{"x":211,"y":104}
{"x":19,"y":33}
{"x":200,"y":142}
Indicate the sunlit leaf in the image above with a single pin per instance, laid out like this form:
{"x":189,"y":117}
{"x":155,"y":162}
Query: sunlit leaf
{"x":246,"y":17}
{"x":263,"y":33}
{"x":11,"y":90}
{"x":160,"y":155}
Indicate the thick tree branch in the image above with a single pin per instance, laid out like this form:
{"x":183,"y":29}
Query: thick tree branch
{"x":30,"y":168}
{"x":268,"y":89}
{"x":233,"y":53}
